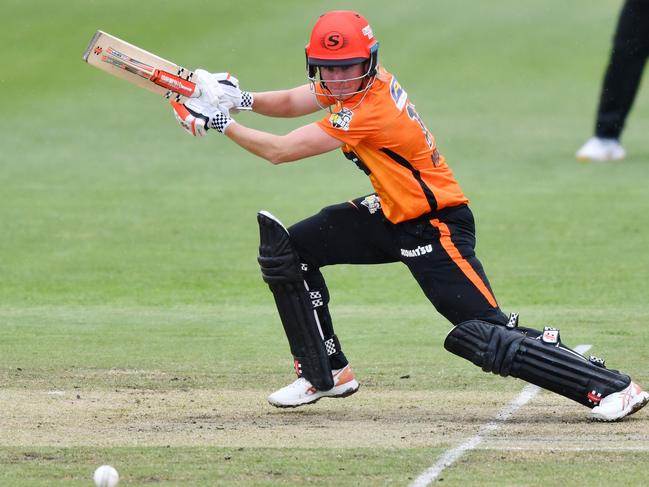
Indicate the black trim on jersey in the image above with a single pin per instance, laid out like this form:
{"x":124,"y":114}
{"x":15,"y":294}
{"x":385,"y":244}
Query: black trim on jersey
{"x":430,"y":197}
{"x":352,"y":156}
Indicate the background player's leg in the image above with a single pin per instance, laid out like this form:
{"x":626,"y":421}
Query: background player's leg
{"x":624,"y":72}
{"x":621,"y":82}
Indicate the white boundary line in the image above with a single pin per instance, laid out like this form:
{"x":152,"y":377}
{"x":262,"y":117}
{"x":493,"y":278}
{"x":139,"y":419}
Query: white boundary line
{"x":451,"y":456}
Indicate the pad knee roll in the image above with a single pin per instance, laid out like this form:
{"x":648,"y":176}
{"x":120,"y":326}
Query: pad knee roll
{"x":510,"y":352}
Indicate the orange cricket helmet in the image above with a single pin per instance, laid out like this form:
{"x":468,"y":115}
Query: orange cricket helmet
{"x":341,"y":38}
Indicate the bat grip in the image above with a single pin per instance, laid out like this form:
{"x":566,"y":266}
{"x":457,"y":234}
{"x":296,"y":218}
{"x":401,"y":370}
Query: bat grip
{"x":174,"y":83}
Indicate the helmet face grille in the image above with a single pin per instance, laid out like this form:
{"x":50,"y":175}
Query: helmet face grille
{"x":313,"y":74}
{"x":335,"y":89}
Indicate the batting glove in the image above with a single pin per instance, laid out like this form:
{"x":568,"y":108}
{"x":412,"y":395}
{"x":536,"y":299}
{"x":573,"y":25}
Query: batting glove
{"x":222,"y":89}
{"x":192,"y":122}
{"x":196,"y":117}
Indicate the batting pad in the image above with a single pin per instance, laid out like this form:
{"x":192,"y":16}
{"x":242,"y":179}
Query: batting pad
{"x":280,"y":269}
{"x":509,"y":352}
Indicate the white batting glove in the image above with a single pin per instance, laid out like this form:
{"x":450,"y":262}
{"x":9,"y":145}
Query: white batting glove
{"x":193,"y":123}
{"x":222,"y":89}
{"x":196,"y":117}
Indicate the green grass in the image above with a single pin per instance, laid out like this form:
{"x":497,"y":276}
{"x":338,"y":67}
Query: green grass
{"x":126,"y":245}
{"x":258,"y":467}
{"x":214,"y":466}
{"x":530,"y":468}
{"x":235,"y":347}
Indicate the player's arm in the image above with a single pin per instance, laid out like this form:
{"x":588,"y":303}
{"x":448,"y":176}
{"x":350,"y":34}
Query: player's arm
{"x":306,"y":141}
{"x":293,"y":102}
{"x":197,"y":118}
{"x":222,"y":90}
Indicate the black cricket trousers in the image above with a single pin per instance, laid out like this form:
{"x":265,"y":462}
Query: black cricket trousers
{"x":438,"y":249}
{"x":624,"y":72}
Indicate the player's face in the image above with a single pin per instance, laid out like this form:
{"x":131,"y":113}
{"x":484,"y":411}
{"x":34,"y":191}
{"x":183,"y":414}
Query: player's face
{"x":343,"y":81}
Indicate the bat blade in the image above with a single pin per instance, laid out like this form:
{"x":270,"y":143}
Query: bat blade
{"x":139,"y":67}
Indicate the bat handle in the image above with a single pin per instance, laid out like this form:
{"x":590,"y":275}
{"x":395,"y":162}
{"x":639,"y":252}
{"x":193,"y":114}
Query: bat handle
{"x":173,"y":82}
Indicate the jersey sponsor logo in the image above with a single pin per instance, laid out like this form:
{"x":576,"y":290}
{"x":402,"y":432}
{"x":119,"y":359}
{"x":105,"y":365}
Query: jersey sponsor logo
{"x":399,"y":95}
{"x":421,"y":250}
{"x":342,"y":119}
{"x":372,"y":203}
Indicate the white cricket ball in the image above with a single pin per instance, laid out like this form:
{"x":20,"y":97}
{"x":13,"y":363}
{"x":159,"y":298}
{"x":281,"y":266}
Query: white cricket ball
{"x":106,"y":476}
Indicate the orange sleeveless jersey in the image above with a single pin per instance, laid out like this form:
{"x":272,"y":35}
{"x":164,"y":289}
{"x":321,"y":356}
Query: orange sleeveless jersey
{"x":386,"y":138}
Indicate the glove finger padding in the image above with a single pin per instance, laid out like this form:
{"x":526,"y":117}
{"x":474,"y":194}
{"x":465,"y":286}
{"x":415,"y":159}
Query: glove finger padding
{"x":196,"y":117}
{"x":192,"y":122}
{"x":234,"y":98}
{"x":221,"y":90}
{"x":231,"y":94}
{"x":209,"y":87}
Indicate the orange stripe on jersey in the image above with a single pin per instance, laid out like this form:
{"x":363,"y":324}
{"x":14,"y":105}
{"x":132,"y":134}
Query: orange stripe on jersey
{"x":465,"y":267}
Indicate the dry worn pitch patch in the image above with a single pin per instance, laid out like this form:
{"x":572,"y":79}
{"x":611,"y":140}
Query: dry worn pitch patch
{"x":235,"y":418}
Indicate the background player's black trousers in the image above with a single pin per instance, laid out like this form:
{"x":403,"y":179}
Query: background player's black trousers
{"x":439,"y":250}
{"x":628,"y":58}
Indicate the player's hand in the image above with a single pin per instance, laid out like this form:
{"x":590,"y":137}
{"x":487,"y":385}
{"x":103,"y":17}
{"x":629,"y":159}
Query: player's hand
{"x":222,"y":89}
{"x":192,"y":122}
{"x":196,"y":117}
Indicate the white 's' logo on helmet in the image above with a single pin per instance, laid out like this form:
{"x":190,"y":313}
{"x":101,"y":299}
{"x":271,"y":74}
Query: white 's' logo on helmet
{"x":367,"y":32}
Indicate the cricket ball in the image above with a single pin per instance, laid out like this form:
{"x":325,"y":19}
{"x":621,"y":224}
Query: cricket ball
{"x":106,"y":476}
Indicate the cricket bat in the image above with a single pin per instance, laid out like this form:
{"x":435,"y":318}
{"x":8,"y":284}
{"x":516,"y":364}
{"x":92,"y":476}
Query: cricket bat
{"x":140,"y":67}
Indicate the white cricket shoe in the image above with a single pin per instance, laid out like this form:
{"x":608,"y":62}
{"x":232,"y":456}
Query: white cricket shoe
{"x":620,"y":404}
{"x":596,"y":149}
{"x":301,"y":391}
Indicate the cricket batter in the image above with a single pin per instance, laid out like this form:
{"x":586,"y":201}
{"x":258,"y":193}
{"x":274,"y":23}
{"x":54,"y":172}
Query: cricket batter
{"x":418,"y":215}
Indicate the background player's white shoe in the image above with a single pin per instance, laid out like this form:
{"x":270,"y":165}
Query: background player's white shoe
{"x":619,"y":404}
{"x":302,"y":392}
{"x":596,"y":149}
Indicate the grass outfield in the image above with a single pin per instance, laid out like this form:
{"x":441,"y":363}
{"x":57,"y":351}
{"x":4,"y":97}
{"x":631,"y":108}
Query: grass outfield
{"x":136,"y":330}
